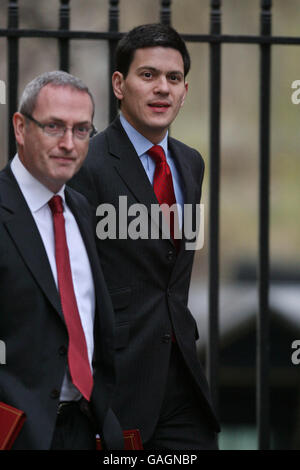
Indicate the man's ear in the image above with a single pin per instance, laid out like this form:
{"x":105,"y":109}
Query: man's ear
{"x":186,"y":86}
{"x":19,"y":127}
{"x":118,"y":85}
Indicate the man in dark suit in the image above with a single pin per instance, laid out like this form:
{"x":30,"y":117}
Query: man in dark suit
{"x":56,"y":315}
{"x":161,"y":388}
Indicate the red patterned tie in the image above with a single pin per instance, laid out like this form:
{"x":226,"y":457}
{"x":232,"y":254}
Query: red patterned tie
{"x":163,"y":185}
{"x":77,"y":351}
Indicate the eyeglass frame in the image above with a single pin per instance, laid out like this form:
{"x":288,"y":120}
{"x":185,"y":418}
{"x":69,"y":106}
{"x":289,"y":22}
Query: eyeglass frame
{"x":42,"y":126}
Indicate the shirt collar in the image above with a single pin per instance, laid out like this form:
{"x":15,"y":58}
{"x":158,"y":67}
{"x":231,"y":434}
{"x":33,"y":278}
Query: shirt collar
{"x":140,"y":143}
{"x":34,"y":192}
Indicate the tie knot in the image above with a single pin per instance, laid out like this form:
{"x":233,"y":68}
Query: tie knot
{"x":56,"y":205}
{"x":157,"y":153}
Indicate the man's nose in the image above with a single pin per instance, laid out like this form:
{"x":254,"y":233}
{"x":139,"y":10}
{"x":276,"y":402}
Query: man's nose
{"x":67,"y":140}
{"x":162,"y":85}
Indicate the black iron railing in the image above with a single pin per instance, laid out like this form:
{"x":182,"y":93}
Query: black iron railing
{"x":215,"y":40}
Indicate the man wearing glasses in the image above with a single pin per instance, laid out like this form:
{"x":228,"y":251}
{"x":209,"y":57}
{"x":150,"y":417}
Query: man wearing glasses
{"x":56,"y":317}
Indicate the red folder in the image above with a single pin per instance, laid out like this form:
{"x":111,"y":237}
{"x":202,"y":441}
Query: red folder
{"x":11,"y":422}
{"x":132,"y":440}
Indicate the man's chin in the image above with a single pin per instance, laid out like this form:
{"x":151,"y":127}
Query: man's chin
{"x":58,"y":179}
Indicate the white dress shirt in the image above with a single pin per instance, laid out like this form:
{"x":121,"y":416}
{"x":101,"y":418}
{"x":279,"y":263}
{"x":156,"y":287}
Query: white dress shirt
{"x":37,"y":197}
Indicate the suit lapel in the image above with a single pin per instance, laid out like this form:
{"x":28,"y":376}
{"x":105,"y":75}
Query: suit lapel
{"x":24,"y":233}
{"x":84,"y":225}
{"x":129,"y":167}
{"x":185,"y":173}
{"x":188,"y":185}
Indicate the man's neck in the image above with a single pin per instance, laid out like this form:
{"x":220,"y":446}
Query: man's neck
{"x":153,"y":135}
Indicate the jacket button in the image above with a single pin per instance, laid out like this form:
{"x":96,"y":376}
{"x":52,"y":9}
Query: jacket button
{"x":62,"y":351}
{"x":54,"y":393}
{"x":170,"y":255}
{"x":166,"y":338}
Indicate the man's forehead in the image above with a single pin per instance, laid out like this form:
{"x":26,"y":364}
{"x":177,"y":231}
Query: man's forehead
{"x":63,"y":98}
{"x":57,"y":92}
{"x":158,"y":54}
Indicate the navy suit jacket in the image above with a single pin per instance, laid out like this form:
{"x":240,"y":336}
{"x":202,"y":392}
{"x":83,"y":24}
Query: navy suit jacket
{"x":32,"y":323}
{"x":147,"y":280}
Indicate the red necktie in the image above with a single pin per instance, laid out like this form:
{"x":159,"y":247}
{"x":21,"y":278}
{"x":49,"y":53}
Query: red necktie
{"x":163,"y":185}
{"x":79,"y":366}
{"x":164,"y":189}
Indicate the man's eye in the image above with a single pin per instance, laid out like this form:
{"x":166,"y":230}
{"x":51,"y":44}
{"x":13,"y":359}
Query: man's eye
{"x":147,"y":74}
{"x":53,"y":126}
{"x":174,"y":78}
{"x":82,"y":129}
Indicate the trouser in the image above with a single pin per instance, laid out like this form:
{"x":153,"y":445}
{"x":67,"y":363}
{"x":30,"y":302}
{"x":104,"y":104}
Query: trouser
{"x":183,"y":421}
{"x":74,"y":429}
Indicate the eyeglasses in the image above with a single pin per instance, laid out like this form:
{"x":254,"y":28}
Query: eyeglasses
{"x":57,"y":129}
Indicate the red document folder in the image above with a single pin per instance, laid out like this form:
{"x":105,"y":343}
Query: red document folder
{"x":132,"y":440}
{"x":11,"y":422}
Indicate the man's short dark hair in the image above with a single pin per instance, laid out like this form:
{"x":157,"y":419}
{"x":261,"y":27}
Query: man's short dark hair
{"x":149,"y":35}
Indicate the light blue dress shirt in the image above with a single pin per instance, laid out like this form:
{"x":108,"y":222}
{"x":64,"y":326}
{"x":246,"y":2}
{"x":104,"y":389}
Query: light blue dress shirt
{"x":142,"y":145}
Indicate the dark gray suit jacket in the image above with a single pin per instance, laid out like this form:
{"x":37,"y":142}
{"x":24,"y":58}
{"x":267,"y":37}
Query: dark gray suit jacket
{"x":147,"y":280}
{"x":32,"y":324}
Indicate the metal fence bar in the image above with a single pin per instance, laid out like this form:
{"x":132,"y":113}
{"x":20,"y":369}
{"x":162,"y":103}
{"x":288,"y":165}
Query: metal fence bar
{"x":56,"y":33}
{"x":63,"y":43}
{"x":214,"y":204}
{"x":108,"y":35}
{"x":113,"y":25}
{"x":165,"y":12}
{"x":262,"y":344}
{"x":12,"y":73}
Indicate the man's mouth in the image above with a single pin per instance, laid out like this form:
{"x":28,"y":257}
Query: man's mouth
{"x":63,"y":158}
{"x":159,"y":106}
{"x":67,"y":157}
